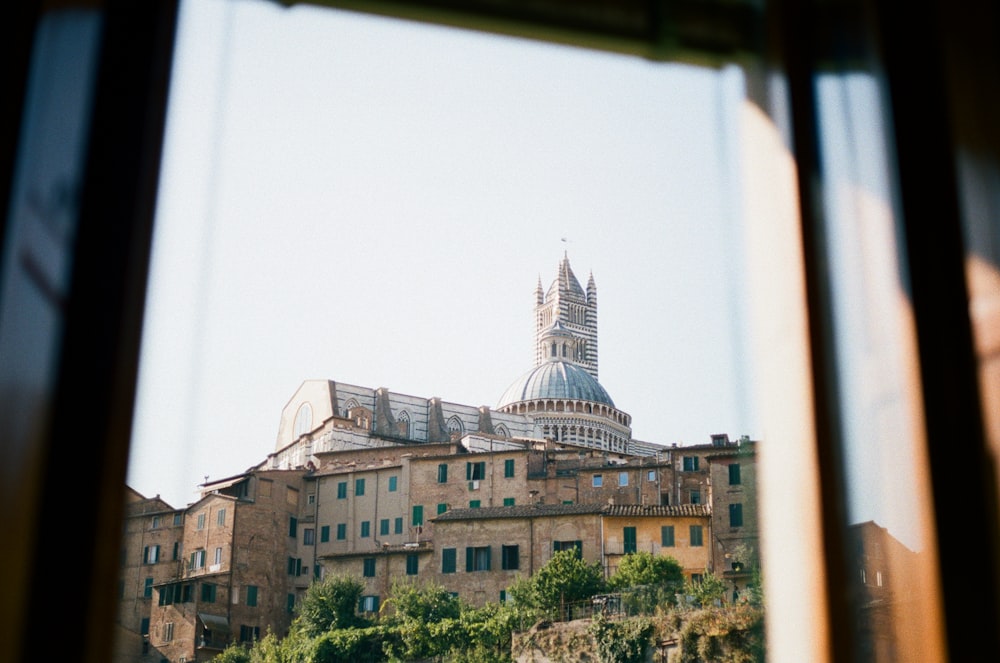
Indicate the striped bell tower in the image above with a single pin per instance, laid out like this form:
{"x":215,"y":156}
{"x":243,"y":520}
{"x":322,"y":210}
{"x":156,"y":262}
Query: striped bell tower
{"x":567,"y":307}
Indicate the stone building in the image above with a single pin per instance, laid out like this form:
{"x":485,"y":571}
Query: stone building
{"x":390,"y":487}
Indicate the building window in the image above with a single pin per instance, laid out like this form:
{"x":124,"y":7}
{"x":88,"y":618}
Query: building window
{"x":366,"y":529}
{"x":324,"y":534}
{"x":176,"y":593}
{"x":201,"y":521}
{"x":249,"y":633}
{"x":695,"y":497}
{"x":696,"y":536}
{"x":393,"y":481}
{"x":475,"y":471}
{"x":144,"y":626}
{"x":412,"y":564}
{"x":508,"y":468}
{"x":252,"y":595}
{"x":443,"y":473}
{"x":383,"y":527}
{"x":368,"y":567}
{"x":474,"y":504}
{"x":623,"y":478}
{"x":341,"y":531}
{"x":477,"y":558}
{"x":311,"y":498}
{"x":441,"y":508}
{"x":220,"y":517}
{"x":736,"y":515}
{"x":218,"y":555}
{"x":509,"y":559}
{"x":359,"y":487}
{"x":303,"y":421}
{"x":734,"y":474}
{"x":151,"y":554}
{"x":147,"y":589}
{"x":690,"y":463}
{"x":667,"y":536}
{"x":448,"y":557}
{"x":208,"y":592}
{"x":508,"y":501}
{"x":341,"y":490}
{"x":290,"y":603}
{"x":569,"y":545}
{"x":168,"y":632}
{"x":368,"y":604}
{"x":294,"y":566}
{"x":178,"y":520}
{"x":651,"y":475}
{"x":597,"y":481}
{"x":418,"y":515}
{"x":397,"y":526}
{"x":630,"y":540}
{"x":197,"y":560}
{"x":293,"y":526}
{"x":308,"y":536}
{"x":156,"y":522}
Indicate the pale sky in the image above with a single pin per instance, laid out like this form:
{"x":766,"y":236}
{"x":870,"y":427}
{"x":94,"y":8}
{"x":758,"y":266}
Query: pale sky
{"x":373,"y":201}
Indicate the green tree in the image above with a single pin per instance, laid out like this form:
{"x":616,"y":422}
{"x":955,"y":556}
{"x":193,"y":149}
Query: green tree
{"x":234,"y":653}
{"x":331,"y":603}
{"x":707,"y":591}
{"x":428,"y":602}
{"x":347,"y":645}
{"x":564,"y":579}
{"x":643,"y":568}
{"x":423,"y":621}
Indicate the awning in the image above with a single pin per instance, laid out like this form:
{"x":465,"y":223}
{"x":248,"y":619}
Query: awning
{"x":214,"y":622}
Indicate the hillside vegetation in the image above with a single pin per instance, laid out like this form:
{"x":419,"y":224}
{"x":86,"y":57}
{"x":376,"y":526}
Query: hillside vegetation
{"x":650,"y":609}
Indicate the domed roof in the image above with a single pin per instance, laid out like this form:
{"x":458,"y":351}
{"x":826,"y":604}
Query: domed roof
{"x":556,"y":379}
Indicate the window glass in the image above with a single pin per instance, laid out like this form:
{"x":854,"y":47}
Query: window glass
{"x":874,"y":341}
{"x":658,"y":160}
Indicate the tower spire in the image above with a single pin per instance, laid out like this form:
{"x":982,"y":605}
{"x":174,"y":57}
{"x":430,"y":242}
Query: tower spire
{"x":571,"y":309}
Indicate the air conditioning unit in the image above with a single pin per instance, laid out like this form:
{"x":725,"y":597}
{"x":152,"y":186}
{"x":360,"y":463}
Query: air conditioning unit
{"x":474,"y":485}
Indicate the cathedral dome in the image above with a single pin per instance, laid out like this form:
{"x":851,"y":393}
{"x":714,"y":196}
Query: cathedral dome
{"x":556,"y":379}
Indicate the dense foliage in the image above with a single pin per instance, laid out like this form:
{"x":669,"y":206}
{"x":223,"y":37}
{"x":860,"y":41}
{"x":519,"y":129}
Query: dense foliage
{"x":565,"y":579}
{"x":424,"y":622}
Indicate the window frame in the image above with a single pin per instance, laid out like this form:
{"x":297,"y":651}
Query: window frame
{"x":948,"y":418}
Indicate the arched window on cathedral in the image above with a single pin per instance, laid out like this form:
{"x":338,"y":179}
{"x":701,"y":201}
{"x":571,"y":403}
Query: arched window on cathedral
{"x":564,"y":350}
{"x":455,"y":427}
{"x":553,"y":349}
{"x":303,"y":421}
{"x":502,"y":431}
{"x":403,"y":424}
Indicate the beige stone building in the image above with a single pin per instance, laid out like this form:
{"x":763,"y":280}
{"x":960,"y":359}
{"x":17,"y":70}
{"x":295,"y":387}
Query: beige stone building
{"x":390,"y":487}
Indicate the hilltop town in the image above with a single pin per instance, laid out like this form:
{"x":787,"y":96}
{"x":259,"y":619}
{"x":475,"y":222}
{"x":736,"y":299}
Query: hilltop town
{"x":382,"y":486}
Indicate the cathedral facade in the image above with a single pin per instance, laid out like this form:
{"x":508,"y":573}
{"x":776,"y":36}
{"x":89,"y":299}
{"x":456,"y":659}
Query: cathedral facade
{"x":559,"y":399}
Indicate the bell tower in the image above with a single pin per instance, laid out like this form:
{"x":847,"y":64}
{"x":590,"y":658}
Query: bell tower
{"x":566,"y":320}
